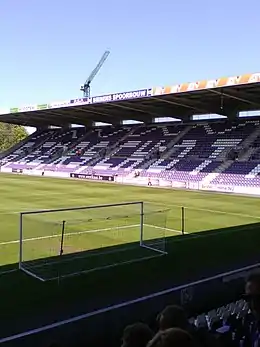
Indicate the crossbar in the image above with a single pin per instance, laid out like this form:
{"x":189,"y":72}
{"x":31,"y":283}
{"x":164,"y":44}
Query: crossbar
{"x":81,"y":208}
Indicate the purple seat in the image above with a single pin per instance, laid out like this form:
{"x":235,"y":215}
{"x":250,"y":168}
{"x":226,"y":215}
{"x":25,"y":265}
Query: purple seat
{"x":177,"y":151}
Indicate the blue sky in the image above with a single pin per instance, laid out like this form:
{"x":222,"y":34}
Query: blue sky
{"x":48,"y":48}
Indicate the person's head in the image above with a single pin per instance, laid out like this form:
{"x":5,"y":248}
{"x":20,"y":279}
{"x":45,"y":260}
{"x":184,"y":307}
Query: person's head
{"x":173,"y":337}
{"x":136,"y":335}
{"x":172,"y":317}
{"x":252,"y":293}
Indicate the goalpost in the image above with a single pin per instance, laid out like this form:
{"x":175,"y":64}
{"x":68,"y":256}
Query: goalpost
{"x":66,"y":242}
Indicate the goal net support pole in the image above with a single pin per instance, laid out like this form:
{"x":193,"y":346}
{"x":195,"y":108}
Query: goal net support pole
{"x":141,"y":224}
{"x":21,"y":238}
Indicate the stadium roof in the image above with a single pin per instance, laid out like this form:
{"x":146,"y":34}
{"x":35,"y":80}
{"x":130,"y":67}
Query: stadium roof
{"x":225,"y":96}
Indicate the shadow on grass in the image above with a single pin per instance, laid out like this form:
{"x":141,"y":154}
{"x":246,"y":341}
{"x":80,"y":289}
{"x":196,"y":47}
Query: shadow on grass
{"x":238,"y":239}
{"x":29,"y":303}
{"x":73,"y":264}
{"x":252,"y":227}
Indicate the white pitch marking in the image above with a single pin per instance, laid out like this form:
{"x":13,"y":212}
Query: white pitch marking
{"x":163,"y":228}
{"x":68,"y":234}
{"x":208,"y":210}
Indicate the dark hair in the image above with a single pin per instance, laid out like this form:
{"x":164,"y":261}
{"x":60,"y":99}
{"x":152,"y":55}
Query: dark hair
{"x":173,"y":317}
{"x":137,"y":335}
{"x":254,"y":277}
{"x":172,"y":337}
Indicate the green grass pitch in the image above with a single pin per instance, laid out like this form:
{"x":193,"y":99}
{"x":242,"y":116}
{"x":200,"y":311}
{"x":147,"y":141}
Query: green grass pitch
{"x":203,"y":211}
{"x":24,"y":296}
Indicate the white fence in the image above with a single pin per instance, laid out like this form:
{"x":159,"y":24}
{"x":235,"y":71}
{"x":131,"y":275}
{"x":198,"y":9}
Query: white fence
{"x":154,"y":182}
{"x":157,"y":182}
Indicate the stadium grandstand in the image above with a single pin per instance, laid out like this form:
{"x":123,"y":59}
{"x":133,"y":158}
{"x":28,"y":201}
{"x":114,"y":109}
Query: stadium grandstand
{"x":221,"y":155}
{"x":132,"y":248}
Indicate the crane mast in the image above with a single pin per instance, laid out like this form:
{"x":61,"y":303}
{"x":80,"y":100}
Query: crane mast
{"x":86,"y":86}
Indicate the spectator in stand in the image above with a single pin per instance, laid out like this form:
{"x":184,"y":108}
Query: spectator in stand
{"x":173,"y":337}
{"x":252,"y":296}
{"x":175,"y":317}
{"x":172,"y":317}
{"x":137,"y":335}
{"x":158,"y":154}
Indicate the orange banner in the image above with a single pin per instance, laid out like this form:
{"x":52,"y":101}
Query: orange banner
{"x":210,"y":84}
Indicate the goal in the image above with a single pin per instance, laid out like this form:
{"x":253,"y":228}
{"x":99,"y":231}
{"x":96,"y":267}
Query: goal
{"x":66,"y":242}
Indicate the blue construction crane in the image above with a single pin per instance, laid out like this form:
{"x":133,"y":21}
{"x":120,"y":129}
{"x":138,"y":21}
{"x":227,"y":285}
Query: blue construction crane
{"x":85,"y":88}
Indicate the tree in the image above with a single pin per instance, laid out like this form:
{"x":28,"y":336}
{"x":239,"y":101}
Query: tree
{"x":10,"y":135}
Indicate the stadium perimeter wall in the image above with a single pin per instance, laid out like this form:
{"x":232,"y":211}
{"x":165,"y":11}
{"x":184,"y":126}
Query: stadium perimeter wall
{"x":196,"y":297}
{"x":142,"y":181}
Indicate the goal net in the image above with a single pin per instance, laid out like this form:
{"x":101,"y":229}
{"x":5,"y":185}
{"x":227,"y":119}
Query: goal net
{"x":65,"y":242}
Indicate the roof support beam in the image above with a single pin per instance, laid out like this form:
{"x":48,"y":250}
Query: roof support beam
{"x":136,"y":110}
{"x":143,"y":109}
{"x":186,"y":104}
{"x":105,"y":117}
{"x":160,"y":111}
{"x":134,"y":115}
{"x":48,"y":119}
{"x":187,"y":117}
{"x":236,"y":96}
{"x":87,"y":123}
{"x":117,"y":122}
